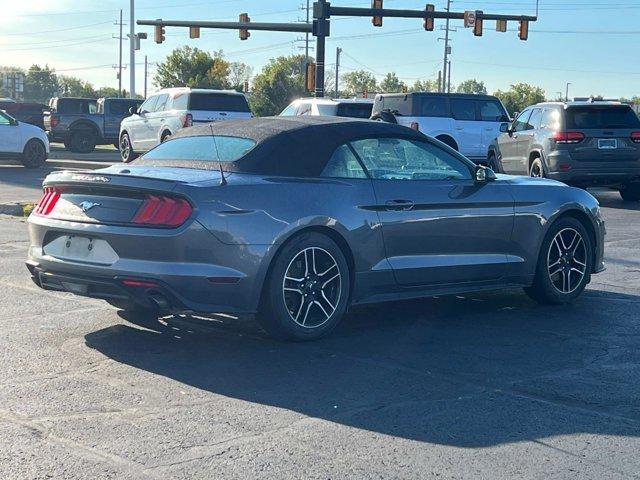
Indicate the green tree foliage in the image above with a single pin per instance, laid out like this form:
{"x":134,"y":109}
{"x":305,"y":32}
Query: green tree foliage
{"x":392,"y":84}
{"x":279,"y":82}
{"x":192,"y":67}
{"x":356,"y":82}
{"x":424,"y":86}
{"x":40,"y":84}
{"x":239,"y":73}
{"x":74,"y":87}
{"x":520,"y":96}
{"x":107,"y":92}
{"x":472,"y":86}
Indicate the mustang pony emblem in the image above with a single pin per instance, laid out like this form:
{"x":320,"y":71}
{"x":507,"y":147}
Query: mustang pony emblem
{"x":86,"y":205}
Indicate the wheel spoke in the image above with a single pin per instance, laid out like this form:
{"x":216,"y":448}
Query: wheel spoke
{"x":327,"y":315}
{"x":324,"y":297}
{"x":306,"y":314}
{"x":337,"y":275}
{"x":579,"y":262}
{"x":322,"y":274}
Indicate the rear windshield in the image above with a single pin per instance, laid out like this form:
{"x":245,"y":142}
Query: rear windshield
{"x":615,"y":116}
{"x":202,"y":149}
{"x":218,"y":102}
{"x":354,"y":110}
{"x":76,"y":105}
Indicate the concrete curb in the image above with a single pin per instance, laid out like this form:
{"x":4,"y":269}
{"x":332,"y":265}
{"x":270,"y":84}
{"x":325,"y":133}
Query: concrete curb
{"x":17,"y":209}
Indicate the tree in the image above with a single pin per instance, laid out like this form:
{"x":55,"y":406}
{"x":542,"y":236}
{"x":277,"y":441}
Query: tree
{"x":424,"y":86}
{"x":472,"y":86}
{"x":392,"y":84}
{"x":520,"y":96}
{"x":356,"y":82}
{"x":107,"y":92}
{"x":75,"y":87}
{"x":192,"y":67}
{"x":40,"y":84}
{"x":238,"y":74}
{"x":279,"y":82}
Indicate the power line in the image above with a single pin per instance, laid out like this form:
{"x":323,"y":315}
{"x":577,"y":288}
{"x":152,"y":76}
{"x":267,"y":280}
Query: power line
{"x":60,"y":29}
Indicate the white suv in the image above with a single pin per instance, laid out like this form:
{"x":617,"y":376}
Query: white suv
{"x":22,"y":141}
{"x":467,"y":123}
{"x":164,"y":113}
{"x":338,"y":107}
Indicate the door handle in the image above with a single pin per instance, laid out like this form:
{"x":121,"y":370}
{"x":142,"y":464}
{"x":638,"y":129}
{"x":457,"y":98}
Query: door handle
{"x":489,"y":129}
{"x":399,"y":204}
{"x":459,"y":128}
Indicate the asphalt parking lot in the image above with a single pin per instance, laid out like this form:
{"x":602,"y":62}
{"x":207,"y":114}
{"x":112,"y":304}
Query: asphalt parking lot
{"x":476,"y":386}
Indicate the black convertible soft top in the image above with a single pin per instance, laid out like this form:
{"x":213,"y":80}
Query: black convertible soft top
{"x":288,"y":146}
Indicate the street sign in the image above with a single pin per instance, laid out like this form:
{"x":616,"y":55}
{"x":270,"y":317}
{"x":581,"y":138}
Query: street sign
{"x":469,"y":18}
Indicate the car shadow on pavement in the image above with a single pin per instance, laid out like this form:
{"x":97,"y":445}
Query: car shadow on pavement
{"x":469,"y":371}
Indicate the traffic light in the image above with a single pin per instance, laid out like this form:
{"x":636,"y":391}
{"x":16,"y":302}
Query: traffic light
{"x":194,"y":32}
{"x":244,"y":33}
{"x":523,"y":31}
{"x":246,"y":86}
{"x":159,"y":33}
{"x":428,"y":22}
{"x":501,"y":25}
{"x":377,"y":20}
{"x":310,"y":77}
{"x":477,"y":28}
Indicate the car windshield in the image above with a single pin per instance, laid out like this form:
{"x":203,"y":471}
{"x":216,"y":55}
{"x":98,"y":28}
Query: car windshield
{"x":207,"y":148}
{"x":614,"y":116}
{"x":223,"y":102}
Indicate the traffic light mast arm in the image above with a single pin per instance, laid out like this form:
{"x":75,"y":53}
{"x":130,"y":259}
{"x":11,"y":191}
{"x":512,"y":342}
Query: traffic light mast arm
{"x":401,"y":13}
{"x":271,"y":27}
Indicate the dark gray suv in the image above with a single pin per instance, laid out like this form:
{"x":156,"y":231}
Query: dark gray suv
{"x":584,"y":144}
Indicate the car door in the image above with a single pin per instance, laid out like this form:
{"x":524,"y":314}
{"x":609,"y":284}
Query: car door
{"x":138,"y":124}
{"x":155,"y":122}
{"x":439,"y":225}
{"x":466,"y":128}
{"x":491,"y":115}
{"x":508,"y":144}
{"x":526,"y":140}
{"x":10,"y":138}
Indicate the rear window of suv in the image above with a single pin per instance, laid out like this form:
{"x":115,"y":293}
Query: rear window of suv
{"x":354,"y":110}
{"x":612,"y":116}
{"x":218,"y":102}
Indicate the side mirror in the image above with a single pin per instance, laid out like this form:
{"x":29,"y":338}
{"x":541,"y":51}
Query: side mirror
{"x":483,"y":174}
{"x":504,"y":127}
{"x":133,"y":110}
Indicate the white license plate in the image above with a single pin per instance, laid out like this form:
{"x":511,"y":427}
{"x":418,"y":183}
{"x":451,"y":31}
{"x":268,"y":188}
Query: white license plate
{"x":81,"y":249}
{"x":607,"y":143}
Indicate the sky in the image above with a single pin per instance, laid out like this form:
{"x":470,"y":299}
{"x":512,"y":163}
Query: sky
{"x":592,"y":44}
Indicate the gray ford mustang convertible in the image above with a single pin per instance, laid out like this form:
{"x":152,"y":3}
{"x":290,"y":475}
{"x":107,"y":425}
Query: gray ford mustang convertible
{"x":296,"y":218}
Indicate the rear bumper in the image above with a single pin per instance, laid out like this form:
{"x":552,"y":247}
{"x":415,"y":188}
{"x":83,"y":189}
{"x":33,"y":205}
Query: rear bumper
{"x":583,"y":173}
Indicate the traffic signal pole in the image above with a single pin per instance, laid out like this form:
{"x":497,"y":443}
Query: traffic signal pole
{"x":320,"y":27}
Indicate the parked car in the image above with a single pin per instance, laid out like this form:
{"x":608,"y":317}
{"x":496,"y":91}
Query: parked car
{"x":165,"y":113}
{"x":298,"y":218}
{"x":83,"y":123}
{"x":24,"y":112}
{"x":338,"y":107}
{"x":23,"y":141}
{"x":466,"y":123}
{"x":582,"y":143}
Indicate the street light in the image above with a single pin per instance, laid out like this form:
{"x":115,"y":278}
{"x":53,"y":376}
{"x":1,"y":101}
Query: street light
{"x":566,"y":94}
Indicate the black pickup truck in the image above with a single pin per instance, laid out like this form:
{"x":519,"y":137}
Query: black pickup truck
{"x":83,"y":123}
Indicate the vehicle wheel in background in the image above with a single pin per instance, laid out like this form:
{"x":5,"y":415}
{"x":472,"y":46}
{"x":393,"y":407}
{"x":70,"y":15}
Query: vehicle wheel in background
{"x":67,"y":144}
{"x":630,"y":193}
{"x":536,"y":170}
{"x":34,"y":154}
{"x":448,"y":141}
{"x":83,"y":141}
{"x":564,"y":264}
{"x":126,"y":150}
{"x":307,"y":291}
{"x":165,"y":136}
{"x":492,"y":162}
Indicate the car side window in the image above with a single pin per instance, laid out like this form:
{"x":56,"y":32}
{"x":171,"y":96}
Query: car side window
{"x":290,"y":110}
{"x":462,"y":109}
{"x":404,"y":159}
{"x":550,"y":119}
{"x":304,"y":109}
{"x":433,"y":106}
{"x":162,"y":103}
{"x":520,"y":123}
{"x":92,"y":107}
{"x":4,"y":120}
{"x":534,"y":120}
{"x":491,"y":111}
{"x":343,"y":164}
{"x":149,"y":104}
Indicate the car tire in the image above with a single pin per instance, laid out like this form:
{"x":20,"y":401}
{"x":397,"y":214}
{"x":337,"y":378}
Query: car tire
{"x":34,"y":154}
{"x":564,"y":264}
{"x":449,"y":142}
{"x":165,"y":136}
{"x":307,"y":289}
{"x":83,"y":141}
{"x":630,"y":193}
{"x":492,"y":162}
{"x":536,"y":169}
{"x":126,"y":149}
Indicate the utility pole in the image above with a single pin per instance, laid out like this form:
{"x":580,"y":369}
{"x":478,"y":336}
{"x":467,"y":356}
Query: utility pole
{"x":132,"y":50}
{"x":449,"y":78}
{"x":146,"y":66}
{"x":566,"y":95}
{"x":306,"y":37}
{"x":446,"y":49}
{"x":120,"y":57}
{"x":338,"y":52}
{"x":439,"y":80}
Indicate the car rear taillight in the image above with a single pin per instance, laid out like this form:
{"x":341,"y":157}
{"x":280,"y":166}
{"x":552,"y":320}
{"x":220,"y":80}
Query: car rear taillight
{"x":635,"y":137}
{"x":47,"y":202}
{"x":188,"y":120}
{"x":54,"y":120}
{"x":161,"y":211}
{"x":568,"y":137}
